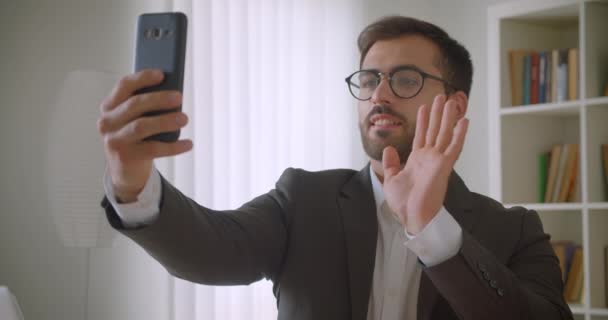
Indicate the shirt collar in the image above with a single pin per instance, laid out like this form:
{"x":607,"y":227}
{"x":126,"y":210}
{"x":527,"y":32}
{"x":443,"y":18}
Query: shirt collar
{"x":385,"y":216}
{"x":376,"y":188}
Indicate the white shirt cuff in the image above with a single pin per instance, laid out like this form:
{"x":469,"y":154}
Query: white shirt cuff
{"x":143,"y":211}
{"x":440,"y":239}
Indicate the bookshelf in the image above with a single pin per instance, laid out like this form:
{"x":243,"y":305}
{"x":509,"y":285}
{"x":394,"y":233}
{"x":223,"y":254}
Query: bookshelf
{"x":519,"y":134}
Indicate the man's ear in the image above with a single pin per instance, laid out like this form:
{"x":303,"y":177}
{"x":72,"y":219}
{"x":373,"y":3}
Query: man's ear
{"x":462,"y":103}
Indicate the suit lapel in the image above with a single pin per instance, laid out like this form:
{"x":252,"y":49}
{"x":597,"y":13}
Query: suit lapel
{"x":458,"y":202}
{"x":427,"y":297}
{"x":358,"y":212}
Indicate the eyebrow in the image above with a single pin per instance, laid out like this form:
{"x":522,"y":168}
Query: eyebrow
{"x":401,"y":66}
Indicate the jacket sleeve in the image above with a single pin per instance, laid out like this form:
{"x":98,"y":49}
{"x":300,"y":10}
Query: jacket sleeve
{"x":233,"y":247}
{"x":479,"y":286}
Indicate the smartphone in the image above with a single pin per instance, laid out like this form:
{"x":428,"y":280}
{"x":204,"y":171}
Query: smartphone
{"x":161,"y":44}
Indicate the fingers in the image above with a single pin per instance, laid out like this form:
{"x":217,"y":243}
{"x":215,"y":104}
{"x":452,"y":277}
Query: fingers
{"x":127,"y":142}
{"x":149,"y":150}
{"x":125,"y":122}
{"x":135,"y":107}
{"x":422,"y":124}
{"x":435,"y":120}
{"x":157,"y":149}
{"x":460,"y":131}
{"x":448,"y":121}
{"x":436,"y":128}
{"x":144,"y":127}
{"x":390,"y":162}
{"x":129,"y":84}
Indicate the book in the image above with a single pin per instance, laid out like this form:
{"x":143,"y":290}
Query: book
{"x":548,"y":77}
{"x":572,"y":193}
{"x":561,"y":249}
{"x":573,"y":74}
{"x":604,"y":152}
{"x":554,"y":66}
{"x":570,"y":258}
{"x":562,"y":76}
{"x":534,"y":77}
{"x":526,"y":83}
{"x":516,"y":64}
{"x":570,"y":171}
{"x":543,"y":164}
{"x":561,"y":168}
{"x":575,"y":194}
{"x":574,"y":282}
{"x":570,"y":249}
{"x":553,"y":165}
{"x":560,"y":253}
{"x":542,"y":77}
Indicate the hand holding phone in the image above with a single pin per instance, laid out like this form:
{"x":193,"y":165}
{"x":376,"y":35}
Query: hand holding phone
{"x":161,"y":44}
{"x":139,"y":117}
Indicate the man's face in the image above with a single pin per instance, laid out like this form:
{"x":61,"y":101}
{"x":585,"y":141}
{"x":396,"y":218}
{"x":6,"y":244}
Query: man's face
{"x":398,"y":131}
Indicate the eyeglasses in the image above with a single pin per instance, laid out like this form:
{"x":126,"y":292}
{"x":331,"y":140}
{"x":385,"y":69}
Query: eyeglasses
{"x":405,"y":82}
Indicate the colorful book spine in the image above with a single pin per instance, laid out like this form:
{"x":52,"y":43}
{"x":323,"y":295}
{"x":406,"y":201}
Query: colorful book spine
{"x":534,"y":77}
{"x":562,"y":76}
{"x":556,"y":152}
{"x":561,"y":169}
{"x":574,"y":283}
{"x":548,"y":76}
{"x":542,"y":77}
{"x":516,"y":60}
{"x":526,"y":88}
{"x":573,"y":74}
{"x":554,"y":66}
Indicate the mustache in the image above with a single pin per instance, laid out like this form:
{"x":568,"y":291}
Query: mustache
{"x":383,"y":109}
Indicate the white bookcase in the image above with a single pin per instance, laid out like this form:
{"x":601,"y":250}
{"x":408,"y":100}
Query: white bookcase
{"x":518,"y":134}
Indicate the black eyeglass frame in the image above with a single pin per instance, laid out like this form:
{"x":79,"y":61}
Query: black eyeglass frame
{"x":390,"y":84}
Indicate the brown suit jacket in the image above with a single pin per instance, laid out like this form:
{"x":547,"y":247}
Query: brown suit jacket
{"x":314,"y":236}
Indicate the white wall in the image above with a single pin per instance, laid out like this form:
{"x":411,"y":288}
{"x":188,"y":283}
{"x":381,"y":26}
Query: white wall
{"x":465,"y":20}
{"x":41,"y":42}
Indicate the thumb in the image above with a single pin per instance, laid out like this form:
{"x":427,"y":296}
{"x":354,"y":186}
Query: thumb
{"x":390,"y":162}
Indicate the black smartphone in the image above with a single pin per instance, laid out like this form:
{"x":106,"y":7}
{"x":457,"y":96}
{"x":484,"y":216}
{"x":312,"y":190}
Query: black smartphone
{"x":161,"y":44}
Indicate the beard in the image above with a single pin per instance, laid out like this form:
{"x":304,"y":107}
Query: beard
{"x":375,"y":147}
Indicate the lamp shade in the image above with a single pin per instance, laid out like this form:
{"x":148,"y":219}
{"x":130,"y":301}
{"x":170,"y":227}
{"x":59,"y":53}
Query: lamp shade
{"x":9,"y":308}
{"x":76,"y":161}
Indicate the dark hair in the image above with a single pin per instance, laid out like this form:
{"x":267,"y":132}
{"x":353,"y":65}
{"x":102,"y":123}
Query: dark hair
{"x":454,"y":63}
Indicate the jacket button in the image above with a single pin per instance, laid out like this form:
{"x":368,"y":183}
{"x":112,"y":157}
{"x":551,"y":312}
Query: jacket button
{"x":500,"y":292}
{"x":486,"y":275}
{"x":482,"y":267}
{"x":493,"y":284}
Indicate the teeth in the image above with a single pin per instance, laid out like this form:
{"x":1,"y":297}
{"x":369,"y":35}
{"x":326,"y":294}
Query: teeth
{"x":384,"y":122}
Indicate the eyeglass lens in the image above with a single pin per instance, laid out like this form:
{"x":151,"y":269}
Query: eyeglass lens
{"x":405,"y":83}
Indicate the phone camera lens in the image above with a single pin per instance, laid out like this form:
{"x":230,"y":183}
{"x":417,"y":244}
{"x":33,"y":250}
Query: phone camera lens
{"x":148,"y":34}
{"x":154,"y":33}
{"x":157,"y":33}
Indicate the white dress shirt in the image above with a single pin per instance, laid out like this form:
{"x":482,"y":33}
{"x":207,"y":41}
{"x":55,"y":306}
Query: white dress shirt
{"x":143,"y":211}
{"x":396,"y":278}
{"x":397,"y":271}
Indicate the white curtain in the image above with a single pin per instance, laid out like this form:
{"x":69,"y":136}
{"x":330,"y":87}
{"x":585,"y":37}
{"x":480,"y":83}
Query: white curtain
{"x":264,"y":91}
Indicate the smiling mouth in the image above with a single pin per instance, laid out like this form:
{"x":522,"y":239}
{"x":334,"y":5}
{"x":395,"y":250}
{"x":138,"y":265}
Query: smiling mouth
{"x":384,"y":122}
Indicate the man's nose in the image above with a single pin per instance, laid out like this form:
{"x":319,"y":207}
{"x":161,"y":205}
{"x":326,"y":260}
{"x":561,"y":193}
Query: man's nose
{"x":383,"y":93}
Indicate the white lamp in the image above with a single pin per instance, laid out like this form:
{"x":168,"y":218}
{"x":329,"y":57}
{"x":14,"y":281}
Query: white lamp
{"x":76,"y":161}
{"x":9,"y":308}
